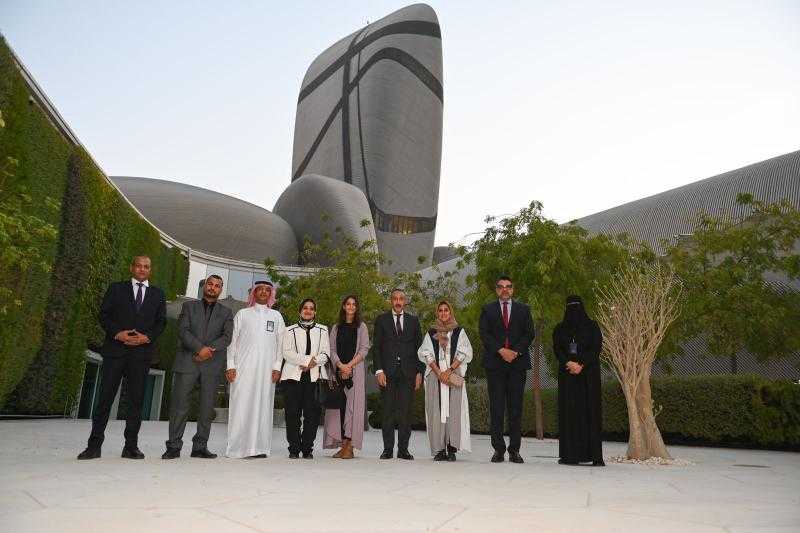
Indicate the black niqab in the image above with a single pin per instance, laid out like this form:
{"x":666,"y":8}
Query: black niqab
{"x":575,"y":317}
{"x":578,"y":338}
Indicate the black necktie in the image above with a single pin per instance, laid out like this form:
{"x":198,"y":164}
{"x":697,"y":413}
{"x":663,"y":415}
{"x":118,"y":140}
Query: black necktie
{"x":139,"y":296}
{"x":397,"y":325}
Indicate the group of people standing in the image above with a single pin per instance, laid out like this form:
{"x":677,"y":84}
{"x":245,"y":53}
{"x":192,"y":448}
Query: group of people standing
{"x":319,"y":368}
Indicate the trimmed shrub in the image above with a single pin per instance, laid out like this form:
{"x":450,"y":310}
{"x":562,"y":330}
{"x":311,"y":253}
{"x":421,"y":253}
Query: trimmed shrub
{"x":738,"y":410}
{"x":721,"y":410}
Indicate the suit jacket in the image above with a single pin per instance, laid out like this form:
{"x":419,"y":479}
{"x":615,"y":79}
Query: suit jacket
{"x":493,"y":335}
{"x":388,"y":346}
{"x":118,"y":313}
{"x":194,"y":333}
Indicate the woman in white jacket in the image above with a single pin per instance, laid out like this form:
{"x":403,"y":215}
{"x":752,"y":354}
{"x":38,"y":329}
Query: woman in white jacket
{"x":306,"y":347}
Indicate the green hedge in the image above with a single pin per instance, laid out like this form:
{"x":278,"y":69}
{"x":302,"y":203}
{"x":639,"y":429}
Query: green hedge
{"x":736,"y":410}
{"x":722,"y":410}
{"x":43,"y":341}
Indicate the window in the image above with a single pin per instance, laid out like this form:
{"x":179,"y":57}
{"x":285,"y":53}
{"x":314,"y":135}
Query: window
{"x":401,"y":224}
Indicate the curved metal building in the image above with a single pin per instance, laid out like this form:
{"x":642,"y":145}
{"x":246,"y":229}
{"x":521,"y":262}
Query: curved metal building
{"x":210,"y":221}
{"x":306,"y":201}
{"x":671,"y":214}
{"x":220,"y":234}
{"x":369,"y":113}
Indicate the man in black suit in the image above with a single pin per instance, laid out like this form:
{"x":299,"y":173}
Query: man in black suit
{"x":398,"y":371}
{"x":133,"y":315}
{"x":204,"y":329}
{"x":506,"y":330}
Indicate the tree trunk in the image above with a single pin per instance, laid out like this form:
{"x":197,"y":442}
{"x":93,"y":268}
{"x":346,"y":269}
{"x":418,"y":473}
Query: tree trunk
{"x":635,"y":441}
{"x":651,"y":436}
{"x":537,"y":388}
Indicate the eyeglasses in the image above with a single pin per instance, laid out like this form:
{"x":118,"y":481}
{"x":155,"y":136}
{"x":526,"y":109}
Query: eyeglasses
{"x":504,"y":286}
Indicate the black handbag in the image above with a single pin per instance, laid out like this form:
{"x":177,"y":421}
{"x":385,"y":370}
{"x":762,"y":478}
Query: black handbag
{"x":331,"y":392}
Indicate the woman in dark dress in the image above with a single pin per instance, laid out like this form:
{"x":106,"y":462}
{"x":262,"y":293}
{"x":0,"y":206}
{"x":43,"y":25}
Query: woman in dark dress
{"x":349,"y":340}
{"x":577,"y":342}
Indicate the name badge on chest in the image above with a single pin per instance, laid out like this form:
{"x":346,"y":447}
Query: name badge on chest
{"x":270,"y":326}
{"x":573,"y":348}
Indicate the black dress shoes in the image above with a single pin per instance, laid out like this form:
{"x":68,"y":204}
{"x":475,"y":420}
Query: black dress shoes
{"x":566,"y":462}
{"x":515,"y":457}
{"x":172,"y":453}
{"x":441,"y":455}
{"x":308,"y":455}
{"x":89,"y":453}
{"x":498,"y":457}
{"x":294,"y":455}
{"x":387,"y":454}
{"x":204,"y":454}
{"x":405,"y":455}
{"x":132,"y":453}
{"x":451,"y":453}
{"x":598,"y":463}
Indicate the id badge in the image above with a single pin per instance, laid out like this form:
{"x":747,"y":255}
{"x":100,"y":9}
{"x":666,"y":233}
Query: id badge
{"x":270,"y":326}
{"x":573,"y":348}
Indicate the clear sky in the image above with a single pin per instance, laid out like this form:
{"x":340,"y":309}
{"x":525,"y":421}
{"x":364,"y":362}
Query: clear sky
{"x":580,"y":105}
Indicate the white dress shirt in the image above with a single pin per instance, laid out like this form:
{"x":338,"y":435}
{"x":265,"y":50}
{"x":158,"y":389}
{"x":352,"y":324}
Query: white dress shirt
{"x":145,"y":284}
{"x":402,"y":319}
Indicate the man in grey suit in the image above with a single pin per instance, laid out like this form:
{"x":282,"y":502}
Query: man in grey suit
{"x":204,"y":330}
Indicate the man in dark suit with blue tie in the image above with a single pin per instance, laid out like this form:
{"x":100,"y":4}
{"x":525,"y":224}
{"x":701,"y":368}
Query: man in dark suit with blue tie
{"x":133,"y":315}
{"x":506,"y":330}
{"x":398,"y":372}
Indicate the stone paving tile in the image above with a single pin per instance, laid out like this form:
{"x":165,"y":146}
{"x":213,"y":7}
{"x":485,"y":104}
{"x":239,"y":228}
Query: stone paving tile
{"x":43,"y":488}
{"x":120,"y":520}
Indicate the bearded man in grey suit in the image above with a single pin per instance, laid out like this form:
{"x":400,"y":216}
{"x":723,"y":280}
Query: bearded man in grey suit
{"x":204,"y":330}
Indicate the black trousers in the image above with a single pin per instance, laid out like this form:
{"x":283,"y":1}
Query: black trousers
{"x":397,"y":398}
{"x":134,"y":369}
{"x":300,"y":398}
{"x":182,"y":385}
{"x":506,"y":386}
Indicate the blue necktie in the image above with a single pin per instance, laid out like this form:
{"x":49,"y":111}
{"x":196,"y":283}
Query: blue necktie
{"x":139,"y":296}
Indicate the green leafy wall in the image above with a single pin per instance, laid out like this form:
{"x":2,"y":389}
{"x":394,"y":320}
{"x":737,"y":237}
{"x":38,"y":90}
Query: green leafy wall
{"x":51,"y":318}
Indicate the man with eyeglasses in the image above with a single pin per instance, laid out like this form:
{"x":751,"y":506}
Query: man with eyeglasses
{"x":506,"y":330}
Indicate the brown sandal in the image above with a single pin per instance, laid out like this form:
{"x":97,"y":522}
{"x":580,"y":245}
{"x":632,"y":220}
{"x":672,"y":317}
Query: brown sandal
{"x":347,"y":450}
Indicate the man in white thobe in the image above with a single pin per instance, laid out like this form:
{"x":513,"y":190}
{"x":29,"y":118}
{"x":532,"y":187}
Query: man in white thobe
{"x":254,"y":356}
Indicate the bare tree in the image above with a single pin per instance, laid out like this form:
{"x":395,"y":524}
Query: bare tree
{"x":634,"y":313}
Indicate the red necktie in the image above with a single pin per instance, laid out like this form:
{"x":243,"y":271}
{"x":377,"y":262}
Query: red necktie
{"x":505,"y":321}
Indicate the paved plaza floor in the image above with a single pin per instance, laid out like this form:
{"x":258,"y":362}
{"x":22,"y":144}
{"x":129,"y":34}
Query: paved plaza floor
{"x":43,"y":488}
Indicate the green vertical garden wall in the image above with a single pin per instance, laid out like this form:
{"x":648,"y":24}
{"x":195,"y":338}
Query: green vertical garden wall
{"x":49,"y":310}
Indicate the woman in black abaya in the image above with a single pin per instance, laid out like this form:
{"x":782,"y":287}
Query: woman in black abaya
{"x":577,"y":342}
